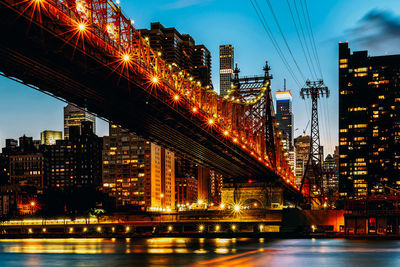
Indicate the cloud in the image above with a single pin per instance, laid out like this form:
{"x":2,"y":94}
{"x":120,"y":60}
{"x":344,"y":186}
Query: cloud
{"x":378,"y":29}
{"x":185,"y":3}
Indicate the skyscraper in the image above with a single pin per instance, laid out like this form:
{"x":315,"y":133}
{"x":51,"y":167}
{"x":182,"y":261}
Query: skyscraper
{"x":74,"y":116}
{"x":284,"y":115}
{"x":302,"y":145}
{"x":369,"y":123}
{"x":180,"y":50}
{"x":226,"y":65}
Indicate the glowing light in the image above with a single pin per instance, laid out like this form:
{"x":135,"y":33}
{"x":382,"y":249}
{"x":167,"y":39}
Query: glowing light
{"x":33,"y":203}
{"x":30,"y":230}
{"x":211,"y":121}
{"x":201,"y":228}
{"x":233,"y":227}
{"x":128,"y":229}
{"x":126,"y":57}
{"x":85,"y":229}
{"x":98,"y":229}
{"x":44,"y":230}
{"x":194,"y":109}
{"x":217,"y":227}
{"x":81,"y":27}
{"x":200,"y":202}
{"x":226,"y":133}
{"x":176,"y":97}
{"x":170,"y":228}
{"x":236,"y":208}
{"x":71,"y":230}
{"x":154,"y":79}
{"x":222,"y":206}
{"x":235,"y":140}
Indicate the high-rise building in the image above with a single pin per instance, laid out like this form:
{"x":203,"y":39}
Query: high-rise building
{"x":180,"y":50}
{"x":226,"y":65}
{"x":74,"y":116}
{"x":50,"y":137}
{"x":203,"y":188}
{"x":186,"y":185}
{"x":331,"y":182}
{"x":209,"y":186}
{"x":284,"y":115}
{"x":75,"y":162}
{"x":138,"y":172}
{"x":369,"y":123}
{"x":302,"y":147}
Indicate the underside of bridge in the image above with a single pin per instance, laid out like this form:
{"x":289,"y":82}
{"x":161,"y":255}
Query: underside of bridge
{"x":37,"y":54}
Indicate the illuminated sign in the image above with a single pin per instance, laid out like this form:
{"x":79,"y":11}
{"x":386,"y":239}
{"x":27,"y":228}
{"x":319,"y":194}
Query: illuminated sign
{"x":226,"y":71}
{"x":283,"y":95}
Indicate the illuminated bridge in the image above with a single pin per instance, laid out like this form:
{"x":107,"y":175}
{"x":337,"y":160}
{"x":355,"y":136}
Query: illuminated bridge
{"x":88,"y":53}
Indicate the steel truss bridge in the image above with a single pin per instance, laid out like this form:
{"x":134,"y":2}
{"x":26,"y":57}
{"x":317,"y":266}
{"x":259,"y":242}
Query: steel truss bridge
{"x":88,"y":53}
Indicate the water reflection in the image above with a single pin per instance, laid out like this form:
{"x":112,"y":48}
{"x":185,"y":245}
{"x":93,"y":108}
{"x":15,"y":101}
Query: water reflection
{"x":198,"y":252}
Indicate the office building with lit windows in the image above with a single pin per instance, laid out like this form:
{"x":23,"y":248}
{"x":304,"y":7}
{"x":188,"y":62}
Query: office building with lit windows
{"x":302,"y":152}
{"x":180,"y":51}
{"x":226,"y":65}
{"x":75,"y":162}
{"x":284,"y":118}
{"x":74,"y":116}
{"x":284,"y":115}
{"x":369,"y":123}
{"x":137,"y":172}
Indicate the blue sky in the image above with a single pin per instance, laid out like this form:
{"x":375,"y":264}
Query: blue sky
{"x":215,"y":22}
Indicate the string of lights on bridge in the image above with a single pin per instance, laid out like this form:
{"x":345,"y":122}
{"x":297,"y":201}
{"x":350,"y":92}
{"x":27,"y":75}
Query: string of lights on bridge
{"x":133,"y":54}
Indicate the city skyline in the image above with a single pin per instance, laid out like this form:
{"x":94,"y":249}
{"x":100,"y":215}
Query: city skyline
{"x":35,"y":112}
{"x":228,"y":133}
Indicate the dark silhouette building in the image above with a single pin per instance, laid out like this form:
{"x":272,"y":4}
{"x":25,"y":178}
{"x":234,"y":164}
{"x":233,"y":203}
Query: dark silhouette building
{"x":369,"y":122}
{"x":75,"y":162}
{"x":180,"y":50}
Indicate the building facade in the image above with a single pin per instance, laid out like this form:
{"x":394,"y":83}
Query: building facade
{"x":226,"y":65}
{"x":75,"y":162}
{"x":331,"y":181}
{"x":74,"y":116}
{"x":138,"y":172}
{"x":180,"y":51}
{"x":302,"y":148}
{"x":50,"y":137}
{"x":284,"y":115}
{"x":369,"y":123}
{"x":185,"y":191}
{"x":27,"y":169}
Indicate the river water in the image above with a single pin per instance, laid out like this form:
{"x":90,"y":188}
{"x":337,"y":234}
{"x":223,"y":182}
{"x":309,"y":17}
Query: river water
{"x":233,"y":252}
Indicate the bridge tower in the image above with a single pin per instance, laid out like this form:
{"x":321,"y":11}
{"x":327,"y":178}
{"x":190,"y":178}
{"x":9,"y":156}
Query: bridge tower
{"x":312,"y":182}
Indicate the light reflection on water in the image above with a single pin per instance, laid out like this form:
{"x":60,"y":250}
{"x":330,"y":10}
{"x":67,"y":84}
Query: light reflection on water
{"x":198,"y":252}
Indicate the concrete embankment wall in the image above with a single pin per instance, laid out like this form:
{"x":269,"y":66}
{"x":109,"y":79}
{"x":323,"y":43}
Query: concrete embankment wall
{"x":294,"y":220}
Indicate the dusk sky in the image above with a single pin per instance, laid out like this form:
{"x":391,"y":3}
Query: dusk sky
{"x":212,"y":23}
